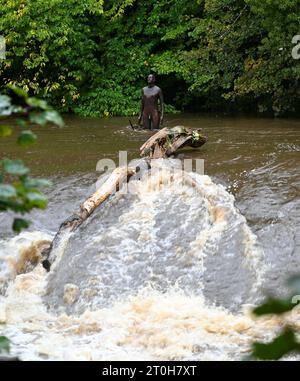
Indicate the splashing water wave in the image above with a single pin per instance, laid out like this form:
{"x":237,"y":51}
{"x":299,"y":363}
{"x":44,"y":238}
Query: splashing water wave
{"x":166,"y":271}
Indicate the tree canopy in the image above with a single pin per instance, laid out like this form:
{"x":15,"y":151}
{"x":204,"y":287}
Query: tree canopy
{"x":91,"y":57}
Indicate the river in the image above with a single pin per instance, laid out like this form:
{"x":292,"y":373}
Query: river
{"x":158,"y":274}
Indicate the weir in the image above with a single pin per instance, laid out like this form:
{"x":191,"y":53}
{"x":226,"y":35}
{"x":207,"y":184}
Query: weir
{"x":167,"y":229}
{"x":164,"y":271}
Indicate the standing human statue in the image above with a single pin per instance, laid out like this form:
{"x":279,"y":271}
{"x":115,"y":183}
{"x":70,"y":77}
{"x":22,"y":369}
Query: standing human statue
{"x":149,"y":113}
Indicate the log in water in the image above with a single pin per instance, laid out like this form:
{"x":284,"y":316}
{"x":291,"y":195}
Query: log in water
{"x":203,"y":262}
{"x":110,"y":187}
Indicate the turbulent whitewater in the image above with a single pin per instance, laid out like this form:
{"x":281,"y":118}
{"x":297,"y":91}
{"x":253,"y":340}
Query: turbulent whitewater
{"x":163,"y":271}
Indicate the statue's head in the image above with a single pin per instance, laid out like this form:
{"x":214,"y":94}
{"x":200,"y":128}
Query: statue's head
{"x":151,"y":79}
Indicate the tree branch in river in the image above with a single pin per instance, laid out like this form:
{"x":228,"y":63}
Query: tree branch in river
{"x":162,"y":144}
{"x":168,"y":140}
{"x":118,"y":177}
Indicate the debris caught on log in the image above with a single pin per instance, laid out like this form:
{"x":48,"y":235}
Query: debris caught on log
{"x":168,"y":140}
{"x":160,"y":145}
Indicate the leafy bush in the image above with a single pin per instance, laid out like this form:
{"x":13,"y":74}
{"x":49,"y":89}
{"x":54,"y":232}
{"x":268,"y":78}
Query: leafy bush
{"x":286,"y":342}
{"x":92,"y":57}
{"x":4,"y":345}
{"x":19,"y":192}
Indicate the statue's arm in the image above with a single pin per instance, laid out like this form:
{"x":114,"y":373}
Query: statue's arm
{"x":142,"y":107}
{"x":162,"y":106}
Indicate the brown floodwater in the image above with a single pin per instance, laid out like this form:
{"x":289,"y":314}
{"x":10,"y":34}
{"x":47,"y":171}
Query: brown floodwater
{"x":234,"y":144}
{"x":253,"y":164}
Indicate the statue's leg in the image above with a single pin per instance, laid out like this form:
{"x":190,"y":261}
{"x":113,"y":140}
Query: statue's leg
{"x":155,"y":119}
{"x":146,"y":121}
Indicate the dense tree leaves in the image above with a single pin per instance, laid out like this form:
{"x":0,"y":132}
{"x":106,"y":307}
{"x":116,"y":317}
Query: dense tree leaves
{"x":92,"y":57}
{"x":50,"y":51}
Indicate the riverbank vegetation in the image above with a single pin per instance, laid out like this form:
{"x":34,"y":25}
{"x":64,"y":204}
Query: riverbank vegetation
{"x":91,"y":57}
{"x":19,"y":192}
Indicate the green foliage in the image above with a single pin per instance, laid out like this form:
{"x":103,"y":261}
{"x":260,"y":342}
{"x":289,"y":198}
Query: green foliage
{"x":26,"y":138}
{"x":14,"y":167}
{"x":274,"y":306}
{"x":92,"y":57}
{"x":4,"y":345}
{"x":286,"y":342}
{"x":5,"y":131}
{"x":19,"y":192}
{"x":107,"y":102}
{"x":19,"y":224}
{"x":50,"y":46}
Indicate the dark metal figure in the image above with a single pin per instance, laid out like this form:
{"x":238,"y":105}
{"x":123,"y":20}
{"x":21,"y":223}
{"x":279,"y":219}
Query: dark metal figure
{"x":149,"y":113}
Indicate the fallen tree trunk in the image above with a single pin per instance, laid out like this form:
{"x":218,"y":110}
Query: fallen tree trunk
{"x":168,"y":140}
{"x":162,"y":144}
{"x":118,"y":177}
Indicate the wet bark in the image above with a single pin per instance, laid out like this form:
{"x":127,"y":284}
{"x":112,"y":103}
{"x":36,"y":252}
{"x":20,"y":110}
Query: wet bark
{"x":161,"y":145}
{"x":168,"y":140}
{"x":118,"y":177}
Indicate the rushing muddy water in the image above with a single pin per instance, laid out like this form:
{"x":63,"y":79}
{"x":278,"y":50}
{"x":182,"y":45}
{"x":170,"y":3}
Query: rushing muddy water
{"x":165,"y":272}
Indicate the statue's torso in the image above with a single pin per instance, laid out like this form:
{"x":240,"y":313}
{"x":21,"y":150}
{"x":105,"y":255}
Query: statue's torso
{"x":150,"y":97}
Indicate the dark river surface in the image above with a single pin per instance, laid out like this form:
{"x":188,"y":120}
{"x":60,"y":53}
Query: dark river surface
{"x":256,"y":161}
